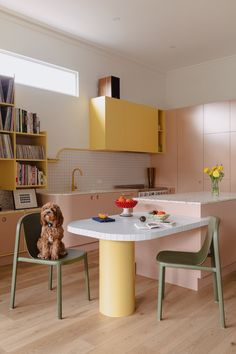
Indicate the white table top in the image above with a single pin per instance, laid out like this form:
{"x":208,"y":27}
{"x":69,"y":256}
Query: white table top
{"x":189,"y":198}
{"x":123,"y":229}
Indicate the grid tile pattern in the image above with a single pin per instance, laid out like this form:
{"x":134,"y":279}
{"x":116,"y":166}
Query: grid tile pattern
{"x":101,"y":170}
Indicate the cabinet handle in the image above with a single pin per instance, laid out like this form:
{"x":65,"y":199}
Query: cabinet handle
{"x":97,"y":196}
{"x":92,"y":197}
{"x":4,"y":219}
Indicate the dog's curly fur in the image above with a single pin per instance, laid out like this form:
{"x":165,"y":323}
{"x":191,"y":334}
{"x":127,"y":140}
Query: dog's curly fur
{"x":50,"y":243}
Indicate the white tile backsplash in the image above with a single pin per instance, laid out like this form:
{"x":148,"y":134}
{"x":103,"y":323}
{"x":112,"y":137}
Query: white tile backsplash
{"x":101,"y":170}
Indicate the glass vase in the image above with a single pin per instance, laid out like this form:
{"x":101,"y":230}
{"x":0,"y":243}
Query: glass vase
{"x":215,"y":191}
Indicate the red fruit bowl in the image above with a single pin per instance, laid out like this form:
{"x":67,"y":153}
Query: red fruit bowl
{"x":126,"y":205}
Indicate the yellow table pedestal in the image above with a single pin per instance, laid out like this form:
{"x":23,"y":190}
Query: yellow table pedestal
{"x":116,"y":278}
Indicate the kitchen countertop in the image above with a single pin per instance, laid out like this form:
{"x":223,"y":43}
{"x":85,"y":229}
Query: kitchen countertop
{"x":189,"y":198}
{"x":90,"y":191}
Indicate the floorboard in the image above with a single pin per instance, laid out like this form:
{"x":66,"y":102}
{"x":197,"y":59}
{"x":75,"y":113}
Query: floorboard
{"x":190,"y":322}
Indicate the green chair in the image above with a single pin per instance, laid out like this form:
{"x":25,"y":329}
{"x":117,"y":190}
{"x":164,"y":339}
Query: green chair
{"x":194,"y":260}
{"x":32,"y":230}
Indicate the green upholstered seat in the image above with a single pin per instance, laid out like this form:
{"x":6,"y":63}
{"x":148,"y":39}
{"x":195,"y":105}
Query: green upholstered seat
{"x":195,"y":260}
{"x":32,"y":230}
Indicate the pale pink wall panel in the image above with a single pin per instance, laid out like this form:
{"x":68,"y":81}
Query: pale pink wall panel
{"x":217,"y":151}
{"x":190,"y":148}
{"x":233,"y":162}
{"x":216,"y":117}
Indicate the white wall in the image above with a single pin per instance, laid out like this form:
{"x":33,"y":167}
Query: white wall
{"x":66,"y":118}
{"x":211,"y":81}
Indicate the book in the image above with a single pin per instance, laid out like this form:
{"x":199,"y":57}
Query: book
{"x":10,"y":90}
{"x":153,"y":225}
{"x":1,"y":92}
{"x":8,"y":119}
{"x":1,"y":123}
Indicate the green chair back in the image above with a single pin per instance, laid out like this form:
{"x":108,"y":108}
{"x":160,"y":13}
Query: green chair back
{"x":212,"y":232}
{"x":32,"y":231}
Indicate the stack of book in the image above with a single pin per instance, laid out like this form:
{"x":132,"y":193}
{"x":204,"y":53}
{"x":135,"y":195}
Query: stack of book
{"x":33,"y":152}
{"x":27,"y":122}
{"x":29,"y":175}
{"x":6,"y":150}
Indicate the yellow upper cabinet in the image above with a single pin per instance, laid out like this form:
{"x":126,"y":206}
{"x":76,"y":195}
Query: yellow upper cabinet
{"x":120,"y":125}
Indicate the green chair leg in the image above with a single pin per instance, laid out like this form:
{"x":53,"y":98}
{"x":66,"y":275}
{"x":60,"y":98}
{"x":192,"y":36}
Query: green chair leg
{"x":221,"y":301}
{"x":59,"y":293}
{"x":160,"y":292}
{"x":215,"y":289}
{"x":213,"y":264}
{"x":87,"y":276}
{"x":50,"y":274}
{"x":163,"y":282}
{"x":219,"y":284}
{"x":15,"y":264}
{"x":13,"y":285}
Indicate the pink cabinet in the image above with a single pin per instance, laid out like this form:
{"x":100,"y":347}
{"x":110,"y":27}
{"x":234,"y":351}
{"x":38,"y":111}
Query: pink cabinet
{"x":190,"y":149}
{"x":217,"y":151}
{"x":198,"y":137}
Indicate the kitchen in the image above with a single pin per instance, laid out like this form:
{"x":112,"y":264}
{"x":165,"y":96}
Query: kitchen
{"x":205,"y":139}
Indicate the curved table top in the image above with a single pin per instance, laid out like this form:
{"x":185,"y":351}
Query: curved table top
{"x":124,"y":229}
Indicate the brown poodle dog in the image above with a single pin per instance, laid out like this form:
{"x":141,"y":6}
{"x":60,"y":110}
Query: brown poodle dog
{"x":50,"y":243}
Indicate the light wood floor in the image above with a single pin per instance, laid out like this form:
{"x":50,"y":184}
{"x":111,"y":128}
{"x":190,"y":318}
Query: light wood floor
{"x":190,"y":325}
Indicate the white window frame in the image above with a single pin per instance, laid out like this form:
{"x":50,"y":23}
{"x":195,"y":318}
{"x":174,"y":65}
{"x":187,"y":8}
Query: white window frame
{"x":51,"y":78}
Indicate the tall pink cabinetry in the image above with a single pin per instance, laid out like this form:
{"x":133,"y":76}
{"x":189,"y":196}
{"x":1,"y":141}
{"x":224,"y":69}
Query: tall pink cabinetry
{"x":196,"y":137}
{"x":182,"y":165}
{"x":190,"y":148}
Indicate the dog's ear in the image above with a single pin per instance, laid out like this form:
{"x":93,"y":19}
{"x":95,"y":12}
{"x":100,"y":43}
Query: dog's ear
{"x":59,"y":216}
{"x":42,"y":219}
{"x":44,"y":207}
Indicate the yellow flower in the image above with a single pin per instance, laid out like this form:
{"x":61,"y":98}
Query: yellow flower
{"x":220,"y":168}
{"x":207,"y":170}
{"x":216,"y":174}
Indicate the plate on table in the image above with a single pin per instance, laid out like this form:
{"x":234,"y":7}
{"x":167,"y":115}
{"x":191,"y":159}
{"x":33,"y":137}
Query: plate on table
{"x":159,"y":217}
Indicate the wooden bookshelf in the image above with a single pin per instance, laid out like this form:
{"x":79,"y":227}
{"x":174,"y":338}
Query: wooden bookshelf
{"x":29,"y":170}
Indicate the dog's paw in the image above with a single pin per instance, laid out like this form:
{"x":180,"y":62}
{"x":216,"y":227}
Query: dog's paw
{"x":54,"y":257}
{"x":42,"y":256}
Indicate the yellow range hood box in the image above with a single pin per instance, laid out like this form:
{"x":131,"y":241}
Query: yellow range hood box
{"x":119,"y":125}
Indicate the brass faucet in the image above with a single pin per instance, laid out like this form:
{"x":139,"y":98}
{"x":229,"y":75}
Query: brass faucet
{"x":73,"y":185}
